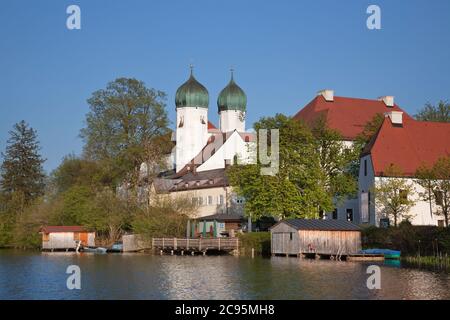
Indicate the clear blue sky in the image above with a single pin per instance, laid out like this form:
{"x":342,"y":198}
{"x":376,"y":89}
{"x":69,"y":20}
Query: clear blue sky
{"x":283,"y":53}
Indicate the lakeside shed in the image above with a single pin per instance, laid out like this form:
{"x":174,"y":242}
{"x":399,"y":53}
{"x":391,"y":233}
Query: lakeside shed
{"x":216,"y":225}
{"x":303,"y":236}
{"x":66,"y":237}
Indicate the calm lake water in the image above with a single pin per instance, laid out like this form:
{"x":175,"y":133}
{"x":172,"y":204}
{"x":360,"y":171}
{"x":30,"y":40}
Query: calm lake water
{"x":35,"y":275}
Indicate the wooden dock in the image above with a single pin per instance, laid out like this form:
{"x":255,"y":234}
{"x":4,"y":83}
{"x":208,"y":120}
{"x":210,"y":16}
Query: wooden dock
{"x":195,"y":245}
{"x":338,"y":257}
{"x":365,"y":257}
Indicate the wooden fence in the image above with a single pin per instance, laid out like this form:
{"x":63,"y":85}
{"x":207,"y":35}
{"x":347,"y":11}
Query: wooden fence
{"x":221,"y":244}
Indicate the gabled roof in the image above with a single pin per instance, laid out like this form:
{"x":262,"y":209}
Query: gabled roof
{"x":191,"y":181}
{"x":408,"y":146}
{"x":222,"y":217}
{"x":54,"y":229}
{"x":321,"y":225}
{"x":346,"y":115}
{"x":214,"y":143}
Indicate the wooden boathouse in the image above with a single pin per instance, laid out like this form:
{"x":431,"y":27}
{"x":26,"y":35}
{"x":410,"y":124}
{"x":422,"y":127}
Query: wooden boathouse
{"x":66,"y":237}
{"x":330,"y":238}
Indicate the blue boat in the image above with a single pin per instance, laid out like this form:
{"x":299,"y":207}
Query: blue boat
{"x":388,"y":253}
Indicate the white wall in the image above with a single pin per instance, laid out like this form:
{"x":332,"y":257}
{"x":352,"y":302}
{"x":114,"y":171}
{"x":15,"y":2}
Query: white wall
{"x":192,"y":136}
{"x":230,"y":200}
{"x":420,"y":212}
{"x":231,"y":120}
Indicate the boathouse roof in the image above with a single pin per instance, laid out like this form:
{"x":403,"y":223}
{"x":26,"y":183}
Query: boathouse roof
{"x":54,"y":229}
{"x":321,"y":225}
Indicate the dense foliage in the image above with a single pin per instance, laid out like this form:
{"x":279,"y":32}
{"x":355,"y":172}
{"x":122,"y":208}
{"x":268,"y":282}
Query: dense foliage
{"x":314,"y":172}
{"x":260,"y":241}
{"x":411,"y":240}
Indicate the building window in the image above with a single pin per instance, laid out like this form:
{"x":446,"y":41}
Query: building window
{"x":210,"y":200}
{"x":221,"y":199}
{"x":194,"y":201}
{"x":290,"y":236}
{"x":200,"y":201}
{"x":364,"y":207}
{"x":365,"y":167}
{"x":350,"y":215}
{"x":335,"y":214}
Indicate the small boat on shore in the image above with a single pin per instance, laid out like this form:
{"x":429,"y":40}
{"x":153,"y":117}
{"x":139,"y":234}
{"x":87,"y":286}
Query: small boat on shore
{"x":388,"y":253}
{"x":94,"y":249}
{"x":116,"y":247}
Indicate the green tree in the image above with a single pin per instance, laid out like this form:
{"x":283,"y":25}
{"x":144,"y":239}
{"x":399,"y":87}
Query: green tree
{"x":148,"y":221}
{"x":123,"y":119}
{"x":439,"y":113}
{"x":294,"y":191}
{"x":78,"y":171}
{"x":393,"y":195}
{"x":436,"y":182}
{"x":21,"y":170}
{"x":335,"y":159}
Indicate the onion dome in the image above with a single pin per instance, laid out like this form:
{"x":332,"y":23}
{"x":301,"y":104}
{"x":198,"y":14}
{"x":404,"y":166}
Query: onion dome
{"x":232,"y":97}
{"x":192,"y":94}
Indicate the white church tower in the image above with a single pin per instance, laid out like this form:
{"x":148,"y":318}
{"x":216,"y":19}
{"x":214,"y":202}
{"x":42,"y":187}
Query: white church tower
{"x":191,"y":101}
{"x":232,"y":103}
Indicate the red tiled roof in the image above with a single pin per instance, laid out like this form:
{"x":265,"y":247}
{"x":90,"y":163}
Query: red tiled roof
{"x":346,"y":115}
{"x":408,"y":146}
{"x":53,"y":229}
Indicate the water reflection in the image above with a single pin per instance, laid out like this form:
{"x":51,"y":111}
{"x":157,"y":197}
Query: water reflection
{"x":32,"y":275}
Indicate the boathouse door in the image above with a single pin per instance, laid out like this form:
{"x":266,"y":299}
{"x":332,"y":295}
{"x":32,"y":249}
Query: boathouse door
{"x":84,"y":238}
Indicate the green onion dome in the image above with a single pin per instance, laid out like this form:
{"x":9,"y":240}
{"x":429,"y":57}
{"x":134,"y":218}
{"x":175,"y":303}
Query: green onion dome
{"x":232,"y":97}
{"x":192,"y":94}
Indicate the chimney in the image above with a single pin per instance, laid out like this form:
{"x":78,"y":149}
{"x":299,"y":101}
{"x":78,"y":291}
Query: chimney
{"x":395,"y":116}
{"x":327,"y":94}
{"x":388,"y":100}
